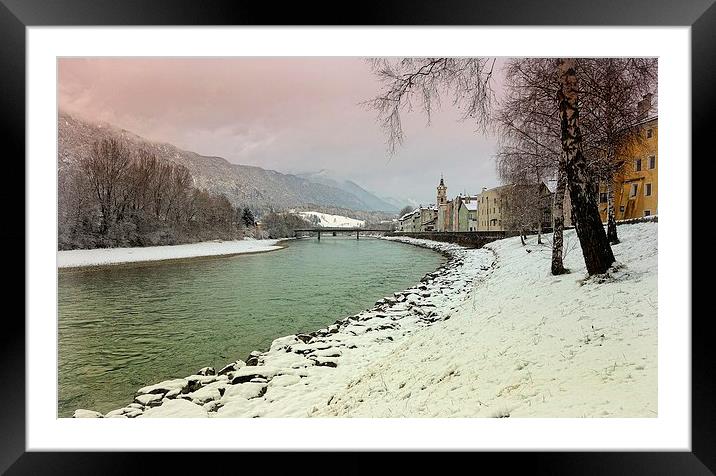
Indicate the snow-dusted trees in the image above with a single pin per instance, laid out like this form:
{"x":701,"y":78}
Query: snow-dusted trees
{"x":115,"y":196}
{"x":247,"y":217}
{"x":405,"y":210}
{"x":280,"y":225}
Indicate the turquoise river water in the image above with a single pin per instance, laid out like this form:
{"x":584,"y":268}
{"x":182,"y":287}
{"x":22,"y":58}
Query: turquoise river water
{"x":124,"y":327}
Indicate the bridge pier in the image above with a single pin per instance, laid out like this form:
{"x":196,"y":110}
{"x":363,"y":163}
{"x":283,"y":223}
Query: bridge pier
{"x":319,"y":236}
{"x":357,"y":235}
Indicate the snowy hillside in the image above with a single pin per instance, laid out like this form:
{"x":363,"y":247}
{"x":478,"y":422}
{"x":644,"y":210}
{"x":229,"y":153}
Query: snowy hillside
{"x":327,"y":220}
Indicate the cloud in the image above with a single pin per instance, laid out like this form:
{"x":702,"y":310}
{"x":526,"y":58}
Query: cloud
{"x":286,"y":114}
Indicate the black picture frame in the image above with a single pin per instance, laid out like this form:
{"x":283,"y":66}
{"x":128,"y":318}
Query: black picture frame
{"x":16,"y":15}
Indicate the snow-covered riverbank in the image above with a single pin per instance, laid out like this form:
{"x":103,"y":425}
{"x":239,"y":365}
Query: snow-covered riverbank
{"x":489,"y":334}
{"x":109,"y":256}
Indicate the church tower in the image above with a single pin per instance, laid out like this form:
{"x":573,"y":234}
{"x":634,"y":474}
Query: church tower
{"x":442,"y":205}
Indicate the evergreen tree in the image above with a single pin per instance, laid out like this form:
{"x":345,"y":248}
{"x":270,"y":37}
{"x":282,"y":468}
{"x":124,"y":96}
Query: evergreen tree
{"x":248,"y":218}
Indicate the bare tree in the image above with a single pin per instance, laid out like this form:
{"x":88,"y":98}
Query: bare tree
{"x":612,"y":90}
{"x":105,"y":167}
{"x":410,"y":82}
{"x":523,"y":210}
{"x":530,"y":146}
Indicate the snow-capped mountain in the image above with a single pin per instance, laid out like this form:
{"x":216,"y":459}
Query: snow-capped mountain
{"x":325,"y":177}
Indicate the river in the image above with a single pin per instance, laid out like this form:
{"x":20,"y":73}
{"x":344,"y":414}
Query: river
{"x":123,"y":327}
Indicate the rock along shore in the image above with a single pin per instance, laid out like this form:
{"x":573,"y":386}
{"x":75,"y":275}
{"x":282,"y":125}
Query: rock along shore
{"x":300,"y":373}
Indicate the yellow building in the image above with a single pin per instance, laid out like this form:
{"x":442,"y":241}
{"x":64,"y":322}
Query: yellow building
{"x":636,"y":187}
{"x":490,"y":208}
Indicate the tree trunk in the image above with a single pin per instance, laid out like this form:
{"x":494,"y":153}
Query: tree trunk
{"x":539,"y":232}
{"x":558,"y":224}
{"x":598,"y":256}
{"x":611,"y":217}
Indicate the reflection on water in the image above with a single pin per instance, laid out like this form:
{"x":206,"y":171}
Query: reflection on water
{"x":124,"y":327}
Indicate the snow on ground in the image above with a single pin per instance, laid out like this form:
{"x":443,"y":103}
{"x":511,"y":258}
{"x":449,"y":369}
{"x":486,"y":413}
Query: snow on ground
{"x":489,"y":334}
{"x":107,"y":256}
{"x":528,"y":344}
{"x":336,"y":221}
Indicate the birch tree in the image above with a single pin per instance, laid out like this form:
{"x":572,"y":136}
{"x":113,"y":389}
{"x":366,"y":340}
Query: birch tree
{"x":597,"y":252}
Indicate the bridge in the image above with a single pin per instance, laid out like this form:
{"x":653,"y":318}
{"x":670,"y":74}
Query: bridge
{"x":335,"y":230}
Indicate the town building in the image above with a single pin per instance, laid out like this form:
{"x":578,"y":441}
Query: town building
{"x":636,"y":186}
{"x":491,"y":204}
{"x":465,"y":211}
{"x":420,"y":219}
{"x":510,"y":206}
{"x":458,"y":214}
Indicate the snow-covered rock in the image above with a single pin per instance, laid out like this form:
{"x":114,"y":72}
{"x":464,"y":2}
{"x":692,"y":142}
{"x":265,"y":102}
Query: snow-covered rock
{"x":231,"y":367}
{"x":81,"y":413}
{"x":179,"y":384}
{"x":207,"y":393}
{"x":246,"y":391}
{"x":178,"y":408}
{"x":149,"y":399}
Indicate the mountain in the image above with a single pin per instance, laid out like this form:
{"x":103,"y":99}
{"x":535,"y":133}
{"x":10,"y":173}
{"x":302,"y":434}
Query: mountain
{"x":325,"y":177}
{"x":241,"y":184}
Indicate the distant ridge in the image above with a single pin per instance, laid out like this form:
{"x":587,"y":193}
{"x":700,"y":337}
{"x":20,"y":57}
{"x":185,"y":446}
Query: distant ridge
{"x":324,"y":177}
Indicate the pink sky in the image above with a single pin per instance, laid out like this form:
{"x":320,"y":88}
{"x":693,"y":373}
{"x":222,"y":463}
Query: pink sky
{"x":287,"y":114}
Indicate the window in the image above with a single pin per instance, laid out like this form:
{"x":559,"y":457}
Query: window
{"x":634,"y":188}
{"x":647,"y":190}
{"x":649,"y":133}
{"x":637,"y":165}
{"x":652,"y":161}
{"x":647,"y":213}
{"x":603,"y":197}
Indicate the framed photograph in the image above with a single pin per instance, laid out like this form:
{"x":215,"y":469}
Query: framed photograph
{"x":415,"y":228}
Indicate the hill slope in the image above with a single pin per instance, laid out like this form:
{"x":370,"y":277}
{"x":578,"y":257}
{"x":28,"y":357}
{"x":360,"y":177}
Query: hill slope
{"x":242,"y":184}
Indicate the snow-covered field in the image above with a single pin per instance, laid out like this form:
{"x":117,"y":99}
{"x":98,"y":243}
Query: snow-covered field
{"x":107,"y":256}
{"x":528,"y":344}
{"x":489,"y":334}
{"x":337,"y":221}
